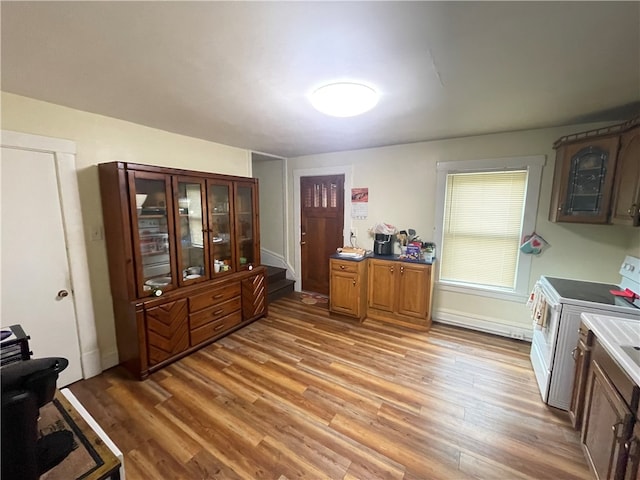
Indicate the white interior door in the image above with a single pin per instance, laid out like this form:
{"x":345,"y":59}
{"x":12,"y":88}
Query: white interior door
{"x":36,"y":281}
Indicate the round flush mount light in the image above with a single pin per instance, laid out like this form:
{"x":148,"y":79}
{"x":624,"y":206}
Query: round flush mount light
{"x":344,"y":99}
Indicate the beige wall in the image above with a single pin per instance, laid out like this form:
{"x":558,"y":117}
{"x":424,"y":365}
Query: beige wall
{"x":272,"y":204}
{"x":402,"y":185}
{"x":401,"y":181}
{"x":102,"y":139}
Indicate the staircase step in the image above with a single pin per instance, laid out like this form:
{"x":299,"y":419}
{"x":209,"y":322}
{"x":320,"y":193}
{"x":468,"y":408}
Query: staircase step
{"x":279,"y":288}
{"x":276,"y":273}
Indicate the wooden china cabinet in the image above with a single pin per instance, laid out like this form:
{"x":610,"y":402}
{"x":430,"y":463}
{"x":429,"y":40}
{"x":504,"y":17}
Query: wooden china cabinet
{"x":184,"y":259}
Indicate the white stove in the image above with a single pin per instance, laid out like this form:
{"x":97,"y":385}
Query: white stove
{"x":556,"y":306}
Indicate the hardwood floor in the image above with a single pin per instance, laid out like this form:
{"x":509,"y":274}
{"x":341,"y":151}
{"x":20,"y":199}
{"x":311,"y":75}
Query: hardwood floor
{"x":300,"y":394}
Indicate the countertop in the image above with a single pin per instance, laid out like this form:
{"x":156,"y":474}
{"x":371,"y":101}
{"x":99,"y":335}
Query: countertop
{"x":395,"y":258}
{"x":614,"y":332}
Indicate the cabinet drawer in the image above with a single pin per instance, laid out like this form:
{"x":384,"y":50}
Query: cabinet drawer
{"x":215,"y":328}
{"x":213,"y":313}
{"x":351,"y":267}
{"x":214,"y":297}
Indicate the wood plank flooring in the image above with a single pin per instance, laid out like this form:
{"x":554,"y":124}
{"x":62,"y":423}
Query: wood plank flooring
{"x":300,"y":394}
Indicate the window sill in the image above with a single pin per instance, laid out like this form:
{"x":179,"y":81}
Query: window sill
{"x":482,"y":292}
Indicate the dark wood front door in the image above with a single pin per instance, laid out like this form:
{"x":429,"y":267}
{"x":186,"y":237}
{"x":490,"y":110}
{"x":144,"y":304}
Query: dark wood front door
{"x":321,"y":227}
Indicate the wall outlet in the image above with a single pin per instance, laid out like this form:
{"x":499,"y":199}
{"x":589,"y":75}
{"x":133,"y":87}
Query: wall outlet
{"x":517,"y":335}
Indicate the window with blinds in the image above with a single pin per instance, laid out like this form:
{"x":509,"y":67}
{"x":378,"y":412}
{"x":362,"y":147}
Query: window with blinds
{"x":482,"y":227}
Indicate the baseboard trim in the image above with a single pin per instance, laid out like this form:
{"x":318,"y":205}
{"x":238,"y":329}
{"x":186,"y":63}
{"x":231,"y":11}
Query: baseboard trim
{"x":91,"y":364}
{"x":483,"y":325}
{"x":110,"y":359}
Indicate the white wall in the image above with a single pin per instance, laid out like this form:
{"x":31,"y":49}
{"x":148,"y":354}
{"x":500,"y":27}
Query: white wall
{"x":402,"y":185}
{"x":102,"y":139}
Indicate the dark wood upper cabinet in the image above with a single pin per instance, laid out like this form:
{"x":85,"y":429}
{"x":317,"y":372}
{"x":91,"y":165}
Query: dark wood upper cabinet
{"x":596,"y":178}
{"x":626,"y":192}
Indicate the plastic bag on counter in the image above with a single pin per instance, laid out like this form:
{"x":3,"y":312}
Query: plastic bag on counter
{"x":383,"y":228}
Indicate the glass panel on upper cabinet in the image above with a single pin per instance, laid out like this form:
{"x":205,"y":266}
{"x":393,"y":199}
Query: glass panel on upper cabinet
{"x":153,"y":221}
{"x":220,"y":239}
{"x":586,"y":182}
{"x":245,"y":226}
{"x":192,"y":249}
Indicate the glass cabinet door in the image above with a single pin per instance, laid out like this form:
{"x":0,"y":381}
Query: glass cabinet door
{"x":153,"y":220}
{"x":245,"y":225}
{"x":586,"y":181}
{"x":190,"y":230}
{"x":220,"y":227}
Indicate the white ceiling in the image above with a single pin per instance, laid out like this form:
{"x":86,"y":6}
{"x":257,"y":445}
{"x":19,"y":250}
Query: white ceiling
{"x":238,"y":73}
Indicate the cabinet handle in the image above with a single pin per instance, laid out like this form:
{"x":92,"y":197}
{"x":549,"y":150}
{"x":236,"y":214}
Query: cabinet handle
{"x":615,"y":426}
{"x":218,"y":327}
{"x":573,"y":353}
{"x":303,"y":243}
{"x":402,"y":269}
{"x":354,"y":283}
{"x":633,"y":210}
{"x":215,"y":297}
{"x":341,"y":267}
{"x":391,"y":269}
{"x":218,"y":312}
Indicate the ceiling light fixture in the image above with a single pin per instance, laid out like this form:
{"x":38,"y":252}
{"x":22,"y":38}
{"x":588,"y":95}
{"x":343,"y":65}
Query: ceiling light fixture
{"x":344,"y":99}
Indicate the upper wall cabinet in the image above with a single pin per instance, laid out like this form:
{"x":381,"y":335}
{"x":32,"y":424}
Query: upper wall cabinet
{"x":595,"y":170}
{"x":626,"y":192}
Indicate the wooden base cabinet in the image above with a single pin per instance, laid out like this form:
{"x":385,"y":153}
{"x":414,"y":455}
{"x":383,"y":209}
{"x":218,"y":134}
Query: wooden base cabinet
{"x":632,"y":447}
{"x":400,"y":292}
{"x":348,"y":287}
{"x":181,"y":322}
{"x":608,"y":421}
{"x":581,"y":355}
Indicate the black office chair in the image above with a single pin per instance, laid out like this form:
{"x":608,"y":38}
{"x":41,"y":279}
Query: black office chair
{"x":26,"y":387}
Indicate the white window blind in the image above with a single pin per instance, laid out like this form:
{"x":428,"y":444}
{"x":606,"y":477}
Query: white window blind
{"x":482,"y":228}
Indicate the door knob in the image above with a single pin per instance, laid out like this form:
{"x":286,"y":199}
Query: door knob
{"x":63,"y":293}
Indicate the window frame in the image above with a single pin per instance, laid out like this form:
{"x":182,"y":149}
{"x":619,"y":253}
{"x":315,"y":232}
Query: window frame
{"x":533,"y":164}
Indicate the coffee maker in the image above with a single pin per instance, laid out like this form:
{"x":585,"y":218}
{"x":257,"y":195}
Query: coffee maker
{"x":26,"y":387}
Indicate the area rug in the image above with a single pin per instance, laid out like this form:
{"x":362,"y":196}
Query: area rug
{"x":313,"y":298}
